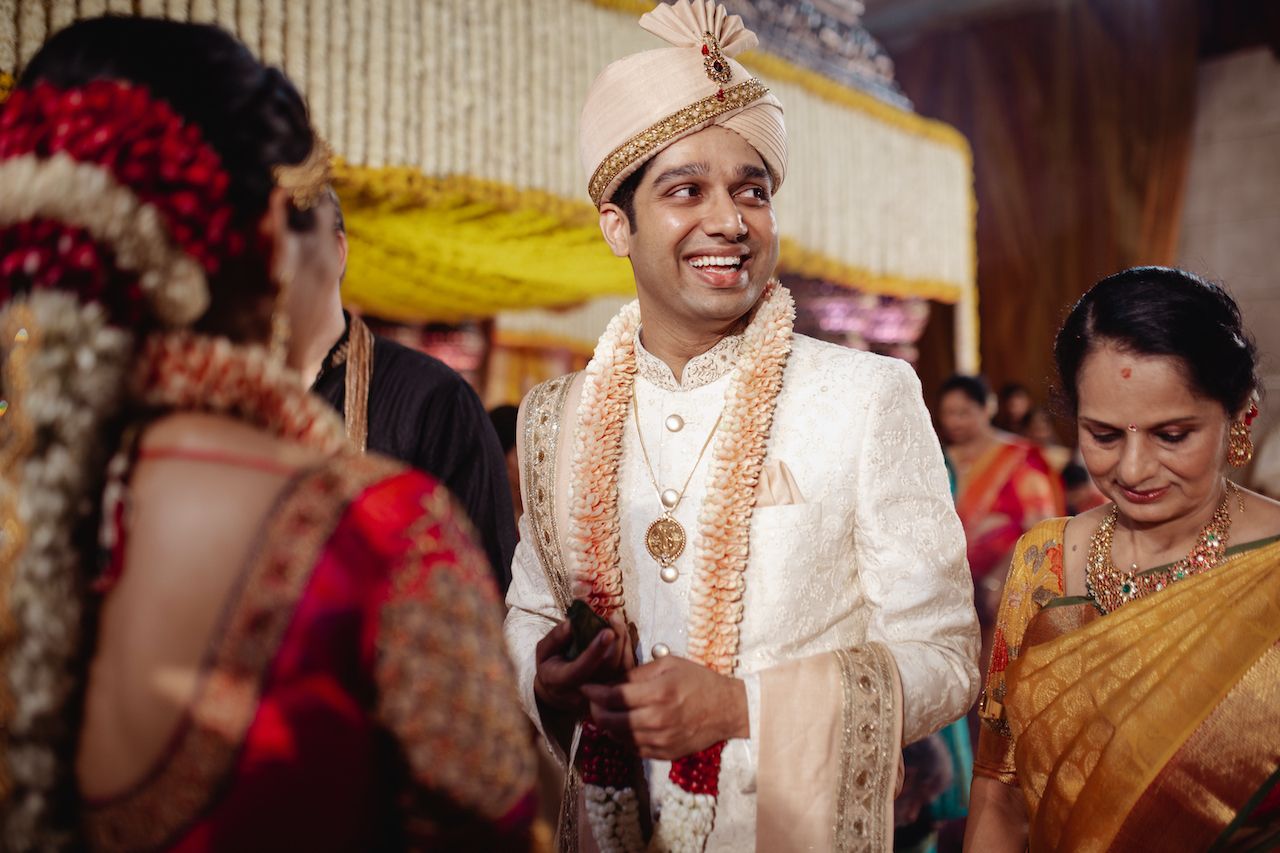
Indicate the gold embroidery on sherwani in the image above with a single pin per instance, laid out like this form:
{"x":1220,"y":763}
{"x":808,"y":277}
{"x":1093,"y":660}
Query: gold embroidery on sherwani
{"x":868,"y":751}
{"x":1100,"y":712}
{"x":544,"y":413}
{"x":205,"y":752}
{"x":701,"y":370}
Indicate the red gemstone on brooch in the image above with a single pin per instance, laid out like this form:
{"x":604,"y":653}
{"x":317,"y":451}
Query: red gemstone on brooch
{"x":720,"y":95}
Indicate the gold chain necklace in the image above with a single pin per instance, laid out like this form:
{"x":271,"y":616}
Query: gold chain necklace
{"x":665,"y":538}
{"x":1111,"y":588}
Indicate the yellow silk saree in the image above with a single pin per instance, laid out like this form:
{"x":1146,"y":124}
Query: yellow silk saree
{"x":1156,"y":727}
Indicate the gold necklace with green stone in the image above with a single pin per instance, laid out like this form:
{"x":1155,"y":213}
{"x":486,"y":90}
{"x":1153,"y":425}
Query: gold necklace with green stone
{"x":1111,"y":588}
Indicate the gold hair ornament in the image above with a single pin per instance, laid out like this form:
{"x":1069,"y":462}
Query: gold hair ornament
{"x":307,"y":181}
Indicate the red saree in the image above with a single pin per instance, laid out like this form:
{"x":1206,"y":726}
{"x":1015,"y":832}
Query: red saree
{"x":357,"y":695}
{"x":1008,"y":489}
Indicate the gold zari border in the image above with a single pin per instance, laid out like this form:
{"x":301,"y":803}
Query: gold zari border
{"x":640,"y":146}
{"x":257,"y":615}
{"x":359,"y":375}
{"x":868,"y":750}
{"x":1217,"y":770}
{"x":543,"y":416}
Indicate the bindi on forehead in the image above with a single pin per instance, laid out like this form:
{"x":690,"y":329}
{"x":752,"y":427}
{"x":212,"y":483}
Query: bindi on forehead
{"x":1126,"y":373}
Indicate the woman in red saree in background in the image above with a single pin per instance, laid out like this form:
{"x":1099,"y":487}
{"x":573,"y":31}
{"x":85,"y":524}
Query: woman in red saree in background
{"x":1003,"y":487}
{"x":1133,"y":697}
{"x":222,"y":628}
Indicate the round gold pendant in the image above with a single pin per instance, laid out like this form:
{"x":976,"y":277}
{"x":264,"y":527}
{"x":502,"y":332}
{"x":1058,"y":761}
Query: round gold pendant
{"x":664,"y":540}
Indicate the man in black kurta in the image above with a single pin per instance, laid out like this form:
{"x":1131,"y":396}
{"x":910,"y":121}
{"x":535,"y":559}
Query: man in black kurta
{"x":420,"y":410}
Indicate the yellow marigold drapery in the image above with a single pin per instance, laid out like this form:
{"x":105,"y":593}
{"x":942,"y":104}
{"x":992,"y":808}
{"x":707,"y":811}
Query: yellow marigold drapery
{"x":448,"y":249}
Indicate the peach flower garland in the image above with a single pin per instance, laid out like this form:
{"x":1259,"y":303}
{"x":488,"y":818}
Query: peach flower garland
{"x":720,"y":558}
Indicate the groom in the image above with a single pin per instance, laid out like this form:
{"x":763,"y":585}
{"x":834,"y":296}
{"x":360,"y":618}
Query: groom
{"x":764,"y":518}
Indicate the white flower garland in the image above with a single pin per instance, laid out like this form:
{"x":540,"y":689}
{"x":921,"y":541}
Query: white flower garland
{"x":686,"y":820}
{"x":74,"y":378}
{"x":375,"y":97}
{"x":295,"y":22}
{"x":249,"y":25}
{"x":356,"y":79}
{"x":227,"y":15}
{"x":338,"y":72}
{"x":85,"y":195}
{"x":397,"y":96}
{"x":614,"y":817}
{"x":31,"y":28}
{"x":204,"y":11}
{"x":61,"y":14}
{"x":8,"y":36}
{"x":273,"y":32}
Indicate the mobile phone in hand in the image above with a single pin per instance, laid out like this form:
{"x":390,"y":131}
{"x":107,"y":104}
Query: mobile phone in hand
{"x":585,"y":624}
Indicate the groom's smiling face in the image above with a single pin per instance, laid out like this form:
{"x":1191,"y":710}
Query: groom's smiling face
{"x":702,"y":238}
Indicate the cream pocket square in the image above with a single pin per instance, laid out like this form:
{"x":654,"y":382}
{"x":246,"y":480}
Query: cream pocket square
{"x":777,"y":487}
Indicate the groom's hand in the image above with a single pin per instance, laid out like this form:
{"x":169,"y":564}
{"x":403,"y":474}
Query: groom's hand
{"x":670,"y":708}
{"x":558,"y":681}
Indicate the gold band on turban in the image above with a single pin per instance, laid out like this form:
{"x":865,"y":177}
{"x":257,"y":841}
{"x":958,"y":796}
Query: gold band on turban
{"x":644,"y":102}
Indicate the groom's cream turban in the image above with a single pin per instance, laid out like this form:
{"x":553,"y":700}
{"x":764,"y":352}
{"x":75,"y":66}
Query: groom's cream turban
{"x":644,"y":102}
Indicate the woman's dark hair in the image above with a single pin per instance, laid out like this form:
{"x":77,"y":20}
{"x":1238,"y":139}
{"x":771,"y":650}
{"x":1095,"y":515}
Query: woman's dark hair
{"x":250,"y":114}
{"x":1159,"y":311}
{"x":1074,"y":474}
{"x":973,"y":387}
{"x":1009,"y":389}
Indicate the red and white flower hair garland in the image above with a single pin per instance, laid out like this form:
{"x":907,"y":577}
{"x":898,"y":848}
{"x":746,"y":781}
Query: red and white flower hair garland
{"x":114,"y":215}
{"x":609,"y":769}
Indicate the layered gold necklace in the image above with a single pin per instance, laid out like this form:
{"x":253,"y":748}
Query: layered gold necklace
{"x":665,"y":538}
{"x":1112,"y":588}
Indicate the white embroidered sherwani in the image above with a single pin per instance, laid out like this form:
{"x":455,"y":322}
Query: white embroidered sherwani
{"x":869,"y":551}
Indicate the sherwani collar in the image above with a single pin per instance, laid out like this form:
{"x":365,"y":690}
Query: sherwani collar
{"x":698,"y":371}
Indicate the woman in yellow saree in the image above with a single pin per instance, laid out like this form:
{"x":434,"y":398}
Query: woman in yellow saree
{"x":1133,"y":695}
